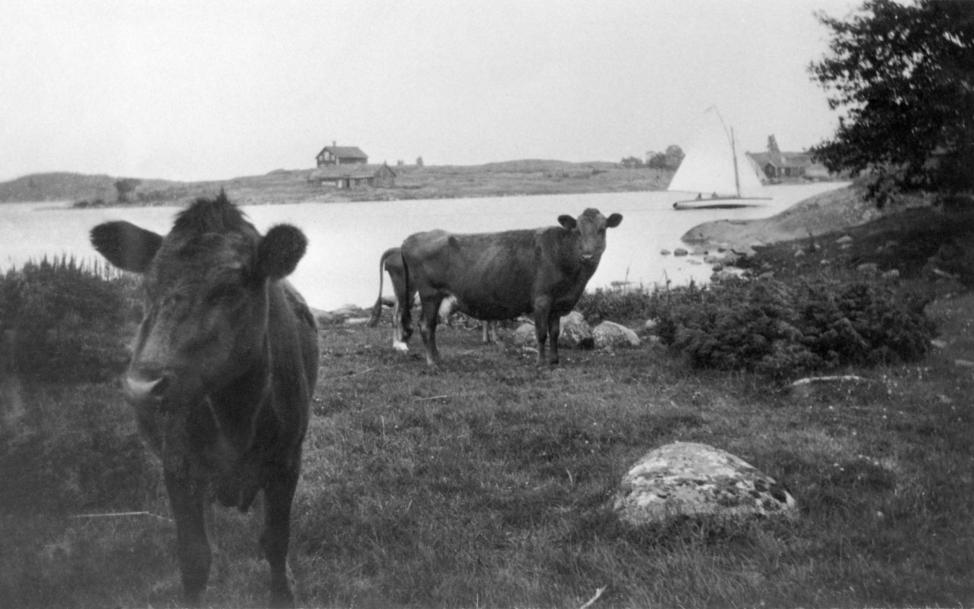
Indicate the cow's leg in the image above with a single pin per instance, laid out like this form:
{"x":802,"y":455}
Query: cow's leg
{"x":403,"y":312}
{"x":427,"y":327}
{"x":542,"y":306}
{"x":398,"y":336}
{"x":186,"y":499}
{"x":489,"y":332}
{"x":278,"y":495}
{"x":554,"y":332}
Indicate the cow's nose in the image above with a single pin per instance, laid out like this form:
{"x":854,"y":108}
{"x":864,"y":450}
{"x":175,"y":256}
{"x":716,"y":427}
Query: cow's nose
{"x":139,"y":388}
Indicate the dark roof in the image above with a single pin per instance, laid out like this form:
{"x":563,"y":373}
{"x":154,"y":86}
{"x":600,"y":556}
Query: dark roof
{"x":345,"y":152}
{"x":782,"y":159}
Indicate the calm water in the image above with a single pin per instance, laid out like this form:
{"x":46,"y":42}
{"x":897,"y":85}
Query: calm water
{"x":346,"y":239}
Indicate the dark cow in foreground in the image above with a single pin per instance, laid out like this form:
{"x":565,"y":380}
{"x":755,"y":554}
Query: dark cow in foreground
{"x":222,"y":372}
{"x":391,"y":262}
{"x":503,"y":275}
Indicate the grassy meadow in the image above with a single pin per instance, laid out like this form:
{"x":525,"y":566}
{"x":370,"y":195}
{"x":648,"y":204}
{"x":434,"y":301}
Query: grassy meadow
{"x":488,"y":484}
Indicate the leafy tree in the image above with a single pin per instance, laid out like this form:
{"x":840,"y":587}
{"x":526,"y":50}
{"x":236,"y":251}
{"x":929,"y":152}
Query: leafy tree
{"x":903,"y":73}
{"x":674,"y":156}
{"x":125,"y":187}
{"x":670,"y":159}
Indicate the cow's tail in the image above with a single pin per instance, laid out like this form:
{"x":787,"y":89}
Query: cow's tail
{"x":377,"y":307}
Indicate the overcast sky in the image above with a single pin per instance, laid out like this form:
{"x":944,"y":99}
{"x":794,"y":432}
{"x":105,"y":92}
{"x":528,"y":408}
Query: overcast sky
{"x":217,"y":89}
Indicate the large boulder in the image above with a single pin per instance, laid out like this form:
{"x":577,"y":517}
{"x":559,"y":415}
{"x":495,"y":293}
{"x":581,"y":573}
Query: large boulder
{"x":609,"y":335}
{"x":690,"y":479}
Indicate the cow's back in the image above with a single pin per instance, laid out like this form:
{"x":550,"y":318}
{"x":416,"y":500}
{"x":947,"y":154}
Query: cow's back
{"x":492,"y":275}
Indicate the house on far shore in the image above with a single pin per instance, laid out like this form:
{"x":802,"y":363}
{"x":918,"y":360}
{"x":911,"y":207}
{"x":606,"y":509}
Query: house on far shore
{"x":778,"y":166}
{"x":341,"y":155}
{"x":354,"y":175}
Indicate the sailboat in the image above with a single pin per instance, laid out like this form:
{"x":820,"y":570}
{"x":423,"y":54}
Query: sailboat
{"x":716,"y":172}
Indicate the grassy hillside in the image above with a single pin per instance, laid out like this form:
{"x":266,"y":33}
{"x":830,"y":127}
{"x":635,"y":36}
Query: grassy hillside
{"x":487,"y":484}
{"x":291,"y":186}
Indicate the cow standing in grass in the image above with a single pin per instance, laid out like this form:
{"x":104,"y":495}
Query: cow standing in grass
{"x":222,"y":372}
{"x":496,"y":276}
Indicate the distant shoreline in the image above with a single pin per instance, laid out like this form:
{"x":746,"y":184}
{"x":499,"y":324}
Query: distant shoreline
{"x":512,"y":178}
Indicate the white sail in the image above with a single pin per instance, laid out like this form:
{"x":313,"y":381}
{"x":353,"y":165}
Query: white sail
{"x":708,"y":167}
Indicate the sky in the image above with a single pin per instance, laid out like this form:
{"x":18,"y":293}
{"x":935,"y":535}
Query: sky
{"x":219,"y":89}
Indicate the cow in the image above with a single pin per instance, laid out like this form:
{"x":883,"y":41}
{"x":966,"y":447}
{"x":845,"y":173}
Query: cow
{"x":502,"y":275}
{"x":222,"y":372}
{"x":391,"y":262}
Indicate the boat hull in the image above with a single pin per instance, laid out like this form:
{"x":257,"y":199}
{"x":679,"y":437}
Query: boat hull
{"x":720,"y":203}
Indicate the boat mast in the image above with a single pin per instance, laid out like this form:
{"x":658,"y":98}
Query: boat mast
{"x":737,"y":175}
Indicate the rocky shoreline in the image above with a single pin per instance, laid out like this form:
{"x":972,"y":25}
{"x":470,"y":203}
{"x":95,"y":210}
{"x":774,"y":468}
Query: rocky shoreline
{"x":825,"y":213}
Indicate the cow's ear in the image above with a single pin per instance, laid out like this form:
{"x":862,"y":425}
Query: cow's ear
{"x":567,"y":221}
{"x":613,"y":221}
{"x":126,"y":245}
{"x":280,"y":251}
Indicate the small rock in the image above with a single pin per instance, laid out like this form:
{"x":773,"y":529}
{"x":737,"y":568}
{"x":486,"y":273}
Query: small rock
{"x":575,"y":332}
{"x":680,"y":252}
{"x":611,"y":334}
{"x":723,"y":275}
{"x":868,"y":268}
{"x":524,"y":335}
{"x":891,"y":274}
{"x":938,"y":343}
{"x":964,"y":363}
{"x":844,"y":240}
{"x":664,"y":252}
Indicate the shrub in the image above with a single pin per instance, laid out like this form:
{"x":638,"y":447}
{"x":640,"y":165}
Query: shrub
{"x":621,"y":305}
{"x":785,"y":328}
{"x":66,"y":319}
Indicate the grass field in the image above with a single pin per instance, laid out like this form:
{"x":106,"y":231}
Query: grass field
{"x":487,"y":485}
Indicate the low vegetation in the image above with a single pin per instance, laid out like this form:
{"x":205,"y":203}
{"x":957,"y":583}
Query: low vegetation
{"x":784,"y":328}
{"x":488,"y":484}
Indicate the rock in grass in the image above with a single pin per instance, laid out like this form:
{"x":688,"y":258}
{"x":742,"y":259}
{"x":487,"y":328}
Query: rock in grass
{"x":524,"y":335}
{"x":690,"y":479}
{"x":609,"y":334}
{"x":575,"y":333}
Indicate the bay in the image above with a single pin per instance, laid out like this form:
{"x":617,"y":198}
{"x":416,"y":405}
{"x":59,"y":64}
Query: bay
{"x":346,"y":239}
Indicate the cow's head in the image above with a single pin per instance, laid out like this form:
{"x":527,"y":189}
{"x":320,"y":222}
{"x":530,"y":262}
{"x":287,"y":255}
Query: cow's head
{"x":589,"y":230}
{"x":205,"y":321}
